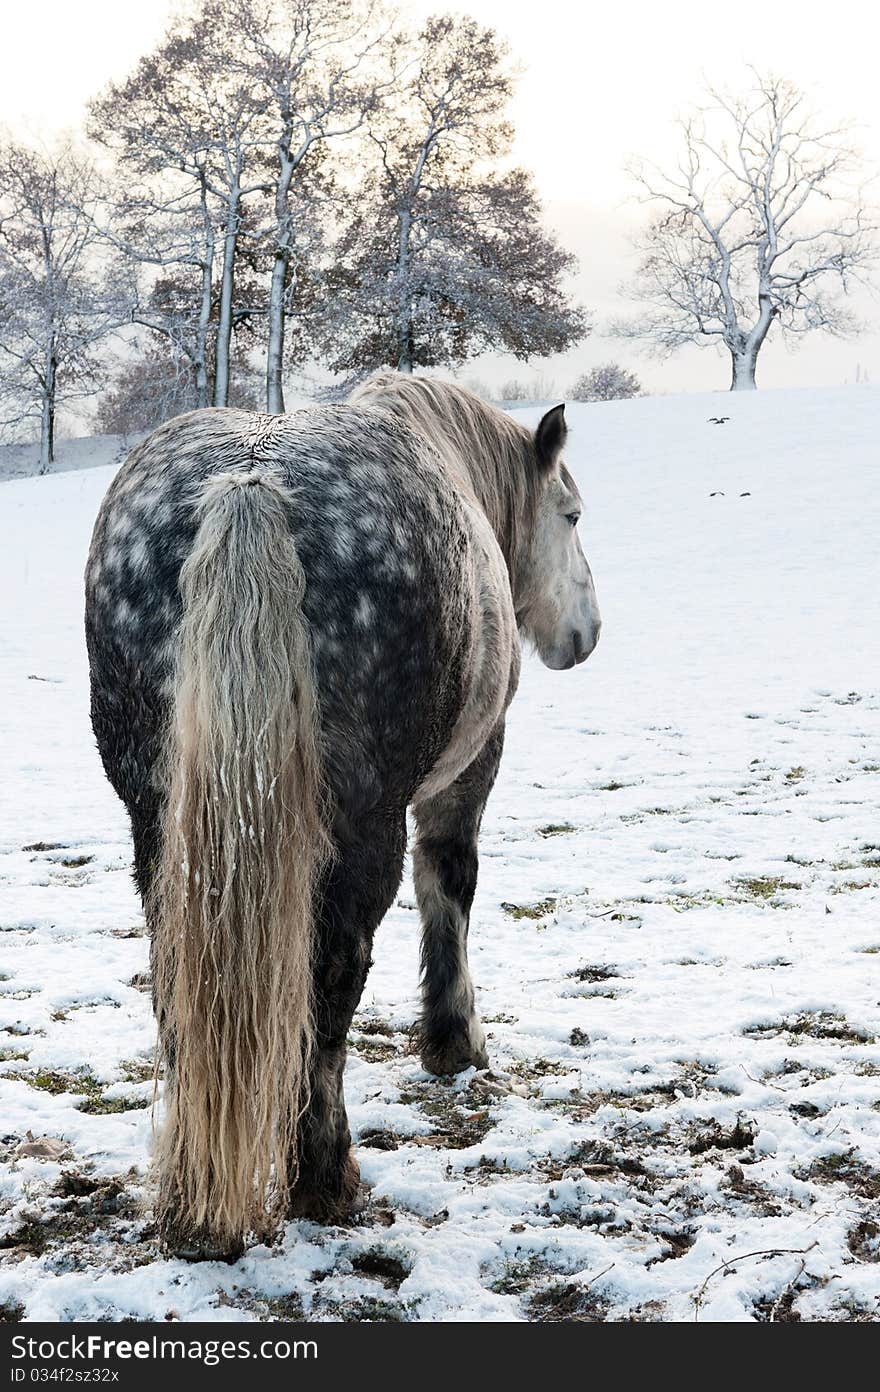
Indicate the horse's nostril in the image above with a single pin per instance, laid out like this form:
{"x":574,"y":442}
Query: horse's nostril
{"x":583,"y":644}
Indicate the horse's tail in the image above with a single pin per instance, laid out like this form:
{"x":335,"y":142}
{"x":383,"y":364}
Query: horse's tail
{"x":243,"y":841}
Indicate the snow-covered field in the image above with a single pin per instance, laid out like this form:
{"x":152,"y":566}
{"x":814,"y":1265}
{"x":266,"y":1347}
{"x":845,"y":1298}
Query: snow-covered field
{"x":23,"y":461}
{"x":676,"y":936}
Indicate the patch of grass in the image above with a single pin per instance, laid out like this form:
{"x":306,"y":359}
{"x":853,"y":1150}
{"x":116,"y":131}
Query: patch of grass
{"x":107,"y":1106}
{"x":533,"y":911}
{"x":593,"y":973}
{"x":373,"y":1050}
{"x":763,"y":886}
{"x":593,"y":1158}
{"x":76,"y":862}
{"x":77,"y":1219}
{"x":33,"y":1237}
{"x":12,"y":1055}
{"x":374,"y":1027}
{"x":366,"y":1310}
{"x":778,"y":1309}
{"x":84,"y":1086}
{"x":845,"y":1168}
{"x":795,"y":774}
{"x":683,"y":901}
{"x":376,"y":1139}
{"x":286,"y":1308}
{"x":56,"y":1082}
{"x":864,"y":1240}
{"x":528,"y":1069}
{"x":45,"y":846}
{"x":750,"y":1191}
{"x":739,"y":1137}
{"x":103,"y":1195}
{"x":676,"y":1244}
{"x":613,"y":787}
{"x":518,"y":1276}
{"x":383,"y":1265}
{"x":137,"y":1070}
{"x":817,"y":1025}
{"x":556,"y":829}
{"x":454,"y":1127}
{"x":566,"y":1303}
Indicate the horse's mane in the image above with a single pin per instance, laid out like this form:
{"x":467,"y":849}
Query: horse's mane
{"x":481,"y":445}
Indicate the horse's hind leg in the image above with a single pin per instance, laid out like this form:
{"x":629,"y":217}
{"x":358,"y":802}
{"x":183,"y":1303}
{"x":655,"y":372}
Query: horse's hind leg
{"x":445,"y":872}
{"x":360,"y":888}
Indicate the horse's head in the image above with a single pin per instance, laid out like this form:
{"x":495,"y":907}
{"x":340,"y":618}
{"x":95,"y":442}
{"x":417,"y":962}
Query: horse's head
{"x":556,"y":606}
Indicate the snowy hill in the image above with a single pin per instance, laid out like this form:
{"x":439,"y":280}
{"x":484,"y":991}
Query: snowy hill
{"x":23,"y":461}
{"x":675,"y":938}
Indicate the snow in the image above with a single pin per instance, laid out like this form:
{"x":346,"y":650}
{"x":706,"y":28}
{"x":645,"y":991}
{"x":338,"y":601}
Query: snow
{"x":20,"y":461}
{"x":681,"y":995}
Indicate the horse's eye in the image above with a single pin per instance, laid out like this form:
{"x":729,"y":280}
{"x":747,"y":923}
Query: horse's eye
{"x":573,"y":518}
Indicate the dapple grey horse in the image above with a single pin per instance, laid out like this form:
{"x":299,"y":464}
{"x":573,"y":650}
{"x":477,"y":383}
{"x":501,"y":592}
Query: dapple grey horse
{"x":299,"y":627}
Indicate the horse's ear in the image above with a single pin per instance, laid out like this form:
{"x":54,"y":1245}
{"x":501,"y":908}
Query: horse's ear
{"x":550,"y":437}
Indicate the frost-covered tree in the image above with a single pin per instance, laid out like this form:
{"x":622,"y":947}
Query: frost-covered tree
{"x":166,"y":232}
{"x":155,"y":385}
{"x":145,"y":391}
{"x":444,"y":254}
{"x":608,"y":382}
{"x":759,"y":226}
{"x":59,"y":297}
{"x":189,"y":128}
{"x":311,"y":65}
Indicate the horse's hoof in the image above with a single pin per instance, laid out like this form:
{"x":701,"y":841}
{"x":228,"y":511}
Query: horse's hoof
{"x":453,"y":1056}
{"x":326,"y":1203}
{"x":199,"y":1247}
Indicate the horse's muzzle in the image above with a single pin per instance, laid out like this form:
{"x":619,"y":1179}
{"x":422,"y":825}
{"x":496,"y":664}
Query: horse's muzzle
{"x":584,"y":643}
{"x":581,"y":643}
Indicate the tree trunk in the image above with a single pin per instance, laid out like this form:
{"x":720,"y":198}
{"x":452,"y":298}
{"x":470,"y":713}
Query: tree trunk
{"x":743,"y":378}
{"x":405,"y":357}
{"x":403,"y":317}
{"x":227,"y":286}
{"x":288,"y":163}
{"x":201,"y":354}
{"x":275,"y":349}
{"x":745,"y":348}
{"x":47,"y":418}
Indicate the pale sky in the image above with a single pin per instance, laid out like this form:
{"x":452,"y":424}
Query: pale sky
{"x":599,"y":84}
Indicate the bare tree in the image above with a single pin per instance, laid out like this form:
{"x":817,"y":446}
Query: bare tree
{"x":58,"y":297}
{"x":311,"y":65}
{"x":165,"y":231}
{"x":188,"y":122}
{"x":608,"y":382}
{"x":758,"y":226}
{"x":443,"y":254}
